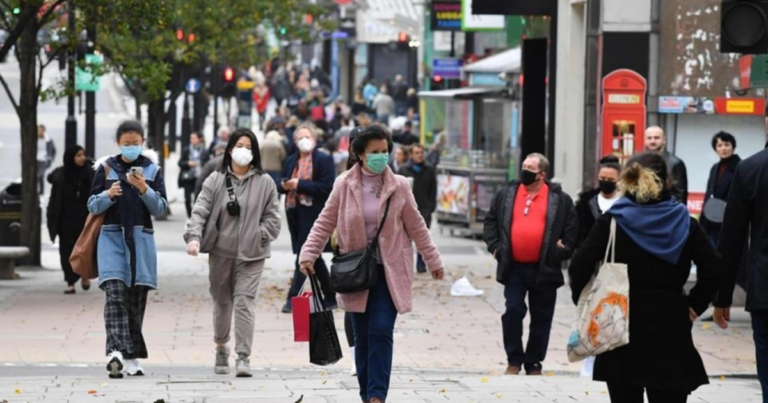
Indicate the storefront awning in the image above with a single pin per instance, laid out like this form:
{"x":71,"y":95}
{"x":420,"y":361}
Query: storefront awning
{"x":465,"y":92}
{"x":505,"y":62}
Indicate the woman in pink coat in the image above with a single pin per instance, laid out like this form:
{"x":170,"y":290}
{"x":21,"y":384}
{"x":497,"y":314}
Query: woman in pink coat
{"x":355,"y":208}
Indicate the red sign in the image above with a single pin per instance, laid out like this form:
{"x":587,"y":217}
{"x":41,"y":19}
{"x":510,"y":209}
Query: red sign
{"x":695,"y":202}
{"x":745,"y":71}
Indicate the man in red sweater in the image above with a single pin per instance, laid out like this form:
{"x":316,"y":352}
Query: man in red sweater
{"x":531,"y":229}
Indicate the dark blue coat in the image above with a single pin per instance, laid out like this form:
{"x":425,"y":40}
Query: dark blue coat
{"x":319,"y":188}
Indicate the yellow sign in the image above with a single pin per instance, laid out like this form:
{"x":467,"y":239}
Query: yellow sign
{"x":623,"y":99}
{"x":244,"y":85}
{"x":740,"y":106}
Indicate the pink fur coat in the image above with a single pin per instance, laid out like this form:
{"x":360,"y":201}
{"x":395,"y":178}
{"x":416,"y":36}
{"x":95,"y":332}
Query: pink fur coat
{"x":404,"y":226}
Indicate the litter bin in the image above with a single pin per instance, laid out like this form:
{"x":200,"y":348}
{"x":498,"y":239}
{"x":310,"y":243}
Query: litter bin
{"x":10,"y":215}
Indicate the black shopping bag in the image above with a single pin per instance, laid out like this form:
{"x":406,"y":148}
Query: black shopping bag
{"x":324,"y":347}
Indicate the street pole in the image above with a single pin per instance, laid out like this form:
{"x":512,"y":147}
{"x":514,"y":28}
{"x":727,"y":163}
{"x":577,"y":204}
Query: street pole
{"x":185,"y":126}
{"x":172,"y":126}
{"x":71,"y":122}
{"x":90,"y":100}
{"x":215,"y":84}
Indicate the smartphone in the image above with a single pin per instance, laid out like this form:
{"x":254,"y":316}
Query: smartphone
{"x":137,"y":171}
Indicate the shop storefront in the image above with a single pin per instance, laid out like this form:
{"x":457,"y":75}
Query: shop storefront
{"x":690,"y":124}
{"x":481,"y":126}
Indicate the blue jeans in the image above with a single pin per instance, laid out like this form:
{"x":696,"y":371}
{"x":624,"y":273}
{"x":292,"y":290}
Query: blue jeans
{"x":374,"y":341}
{"x":760,"y":334}
{"x":541,"y":297}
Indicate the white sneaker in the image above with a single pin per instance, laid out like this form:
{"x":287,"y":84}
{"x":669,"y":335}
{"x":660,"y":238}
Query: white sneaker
{"x":222,"y":360}
{"x":132,"y":368}
{"x":243,"y":367}
{"x":115,"y":365}
{"x":353,"y":371}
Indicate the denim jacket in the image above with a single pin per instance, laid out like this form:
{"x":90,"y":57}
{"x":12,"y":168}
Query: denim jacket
{"x":128,"y":223}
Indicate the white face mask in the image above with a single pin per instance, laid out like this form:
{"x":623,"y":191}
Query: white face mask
{"x":242,"y":156}
{"x":306,"y":145}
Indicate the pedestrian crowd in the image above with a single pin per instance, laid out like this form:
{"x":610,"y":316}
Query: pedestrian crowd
{"x":350,"y":187}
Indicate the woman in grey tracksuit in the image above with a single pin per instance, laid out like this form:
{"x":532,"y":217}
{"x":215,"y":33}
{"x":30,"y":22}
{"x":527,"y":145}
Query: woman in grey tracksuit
{"x":235,"y":219}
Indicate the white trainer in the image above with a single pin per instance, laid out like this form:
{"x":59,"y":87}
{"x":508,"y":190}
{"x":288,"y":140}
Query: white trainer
{"x":132,"y":368}
{"x":353,"y":371}
{"x":115,"y":365}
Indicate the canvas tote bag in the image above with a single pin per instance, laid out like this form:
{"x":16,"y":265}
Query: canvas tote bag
{"x":602,"y":321}
{"x":83,"y":257}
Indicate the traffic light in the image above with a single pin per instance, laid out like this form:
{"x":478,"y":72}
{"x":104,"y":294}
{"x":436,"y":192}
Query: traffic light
{"x":744,"y":26}
{"x":228,"y":88}
{"x":191,"y":38}
{"x":283,"y":31}
{"x":229,"y":75}
{"x":180,"y":34}
{"x":402,"y":37}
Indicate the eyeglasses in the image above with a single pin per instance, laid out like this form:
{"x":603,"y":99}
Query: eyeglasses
{"x":528,"y":203}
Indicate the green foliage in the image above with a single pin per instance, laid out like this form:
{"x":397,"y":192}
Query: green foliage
{"x":225,"y":31}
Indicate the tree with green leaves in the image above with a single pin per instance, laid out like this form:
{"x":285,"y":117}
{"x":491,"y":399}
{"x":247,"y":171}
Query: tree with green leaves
{"x":156,"y":62}
{"x":23,"y":20}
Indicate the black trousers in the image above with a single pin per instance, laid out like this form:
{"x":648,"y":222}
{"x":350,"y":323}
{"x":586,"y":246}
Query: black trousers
{"x":542,"y":298}
{"x":349,"y":329}
{"x":624,"y":394}
{"x":189,"y":197}
{"x":66,"y":245}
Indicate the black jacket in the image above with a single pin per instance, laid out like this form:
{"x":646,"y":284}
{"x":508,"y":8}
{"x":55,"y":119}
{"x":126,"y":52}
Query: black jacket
{"x":661,"y":353}
{"x":562,"y":224}
{"x":588,"y":212}
{"x":678,"y":175}
{"x":323,"y":177}
{"x":67,"y":207}
{"x":719,"y":187}
{"x":184,"y":165}
{"x":746,"y":207}
{"x":424,"y":187}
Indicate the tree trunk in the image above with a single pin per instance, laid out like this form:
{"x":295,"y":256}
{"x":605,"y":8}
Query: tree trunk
{"x":30,"y":210}
{"x":156,"y":129}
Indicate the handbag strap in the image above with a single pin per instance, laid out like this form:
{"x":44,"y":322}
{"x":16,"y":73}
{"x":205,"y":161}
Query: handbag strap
{"x":317,"y":292}
{"x":230,"y":188}
{"x":375,"y":241}
{"x":611,"y":247}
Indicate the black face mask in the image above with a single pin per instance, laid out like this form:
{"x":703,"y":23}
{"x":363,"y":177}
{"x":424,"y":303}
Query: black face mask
{"x":528,"y":177}
{"x":607,"y":187}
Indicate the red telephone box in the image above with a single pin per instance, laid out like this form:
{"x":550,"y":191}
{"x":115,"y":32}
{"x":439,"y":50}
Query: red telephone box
{"x":623,"y":113}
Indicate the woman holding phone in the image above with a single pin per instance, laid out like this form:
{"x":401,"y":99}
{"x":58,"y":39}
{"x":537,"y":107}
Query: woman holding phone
{"x":129,"y":189}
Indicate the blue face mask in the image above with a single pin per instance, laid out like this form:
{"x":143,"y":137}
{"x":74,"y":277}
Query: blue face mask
{"x":376,"y":163}
{"x":130,"y":153}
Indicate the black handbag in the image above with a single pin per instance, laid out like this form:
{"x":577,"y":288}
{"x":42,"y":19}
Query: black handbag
{"x":324,"y":347}
{"x":357,"y":271}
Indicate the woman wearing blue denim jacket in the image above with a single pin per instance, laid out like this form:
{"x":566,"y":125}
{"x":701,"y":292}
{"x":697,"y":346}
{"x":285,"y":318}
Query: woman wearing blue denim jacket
{"x":129,"y":189}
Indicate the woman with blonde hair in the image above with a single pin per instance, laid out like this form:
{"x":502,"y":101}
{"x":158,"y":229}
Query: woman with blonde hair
{"x":658,"y":240}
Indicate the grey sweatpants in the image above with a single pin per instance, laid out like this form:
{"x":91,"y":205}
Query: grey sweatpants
{"x":234,"y":286}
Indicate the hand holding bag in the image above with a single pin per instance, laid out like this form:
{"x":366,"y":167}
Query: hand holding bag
{"x":358,"y":271}
{"x":83,"y":257}
{"x":324,"y":347}
{"x":602,"y":322}
{"x":302,"y":306}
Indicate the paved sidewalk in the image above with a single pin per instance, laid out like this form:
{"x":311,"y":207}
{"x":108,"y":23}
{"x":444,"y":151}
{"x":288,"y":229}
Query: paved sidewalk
{"x":192,"y":385}
{"x":52,"y":345}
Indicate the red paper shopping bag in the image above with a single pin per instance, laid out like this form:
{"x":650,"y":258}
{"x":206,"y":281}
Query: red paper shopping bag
{"x":301,"y":307}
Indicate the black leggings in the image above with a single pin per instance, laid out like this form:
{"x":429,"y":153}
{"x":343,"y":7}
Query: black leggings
{"x":348,"y":329}
{"x":628,"y":394}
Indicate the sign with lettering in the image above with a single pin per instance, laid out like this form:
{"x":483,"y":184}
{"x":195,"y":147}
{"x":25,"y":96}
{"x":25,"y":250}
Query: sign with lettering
{"x":446,"y":15}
